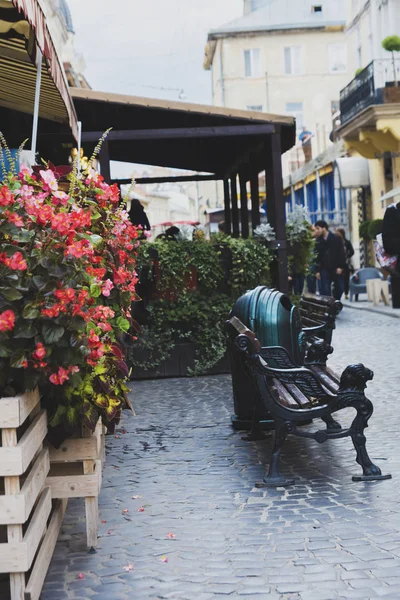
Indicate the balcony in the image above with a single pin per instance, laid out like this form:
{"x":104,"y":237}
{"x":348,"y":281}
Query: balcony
{"x":373,"y":85}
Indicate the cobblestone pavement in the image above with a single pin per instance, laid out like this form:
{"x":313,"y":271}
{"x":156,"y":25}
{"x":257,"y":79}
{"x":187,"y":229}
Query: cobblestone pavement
{"x":323,"y":538}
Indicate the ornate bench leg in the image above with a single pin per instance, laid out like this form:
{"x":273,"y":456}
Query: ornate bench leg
{"x":274,"y":478}
{"x":370,"y":471}
{"x":256,"y":433}
{"x":331,"y":424}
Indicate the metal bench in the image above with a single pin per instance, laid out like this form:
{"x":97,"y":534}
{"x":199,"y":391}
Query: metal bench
{"x":295,"y":396}
{"x":289,"y":338}
{"x":318,"y":316}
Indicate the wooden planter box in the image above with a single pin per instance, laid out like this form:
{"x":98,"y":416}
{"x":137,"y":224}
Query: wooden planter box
{"x":76,"y":472}
{"x":182,"y":356}
{"x":29,"y":524}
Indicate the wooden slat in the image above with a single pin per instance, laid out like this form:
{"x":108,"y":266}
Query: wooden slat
{"x":75,"y":486}
{"x":16,"y":460}
{"x":300,"y":398}
{"x":91,"y":503}
{"x":16,"y":508}
{"x":43,"y":559}
{"x":17,"y":557}
{"x":37,"y":527}
{"x":285,"y":398}
{"x":75,"y":450}
{"x":325,"y":378}
{"x":15,"y":410}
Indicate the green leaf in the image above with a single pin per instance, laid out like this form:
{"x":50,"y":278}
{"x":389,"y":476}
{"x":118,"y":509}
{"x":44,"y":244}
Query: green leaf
{"x":22,"y":235}
{"x":96,"y":239}
{"x":31,"y":311}
{"x":25,"y":330}
{"x":5,"y":349}
{"x":40,"y":281}
{"x":57,"y":418}
{"x":52,"y":332}
{"x":123,"y":324}
{"x":11,"y":294}
{"x":18,"y":359}
{"x":95,"y":290}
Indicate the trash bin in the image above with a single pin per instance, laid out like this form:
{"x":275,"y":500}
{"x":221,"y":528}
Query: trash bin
{"x":276,"y":322}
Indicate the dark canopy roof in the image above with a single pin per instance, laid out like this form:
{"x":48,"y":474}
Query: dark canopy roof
{"x":211,"y":139}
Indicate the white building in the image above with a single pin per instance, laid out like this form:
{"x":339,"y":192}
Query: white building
{"x":59,"y":19}
{"x":285,"y":57}
{"x":369,"y":22}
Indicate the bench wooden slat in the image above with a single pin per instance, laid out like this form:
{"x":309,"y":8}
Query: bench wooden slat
{"x":298,"y":395}
{"x":325,"y":379}
{"x":285,"y":397}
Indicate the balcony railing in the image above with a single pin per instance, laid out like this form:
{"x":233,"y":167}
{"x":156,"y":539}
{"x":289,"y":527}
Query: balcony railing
{"x":366,"y":88}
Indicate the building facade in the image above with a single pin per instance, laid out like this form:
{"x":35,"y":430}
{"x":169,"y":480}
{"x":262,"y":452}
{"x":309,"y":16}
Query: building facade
{"x":59,"y":19}
{"x":370,"y":111}
{"x":285,"y":57}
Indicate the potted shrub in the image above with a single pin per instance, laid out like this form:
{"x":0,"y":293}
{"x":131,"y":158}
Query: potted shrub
{"x":391,"y":43}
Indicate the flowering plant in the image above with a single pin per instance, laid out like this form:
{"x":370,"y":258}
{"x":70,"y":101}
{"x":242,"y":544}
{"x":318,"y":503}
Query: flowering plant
{"x":67,"y":280}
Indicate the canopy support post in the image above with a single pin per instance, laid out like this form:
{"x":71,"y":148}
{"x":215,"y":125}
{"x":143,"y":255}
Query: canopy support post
{"x":235,"y":210}
{"x":104,"y":159}
{"x":37,"y":104}
{"x":276,"y":209}
{"x":227,"y":208}
{"x":255,"y":200}
{"x":244,"y":211}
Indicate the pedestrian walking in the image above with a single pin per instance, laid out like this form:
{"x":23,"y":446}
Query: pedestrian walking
{"x":331,"y":260}
{"x":349,"y":252}
{"x":305,"y":139}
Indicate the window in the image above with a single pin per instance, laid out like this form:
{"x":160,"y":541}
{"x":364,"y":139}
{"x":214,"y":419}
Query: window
{"x":293,"y":60}
{"x":295,"y":109}
{"x":317,"y":8}
{"x":256,"y":107}
{"x":337,"y":55}
{"x":252,"y":63}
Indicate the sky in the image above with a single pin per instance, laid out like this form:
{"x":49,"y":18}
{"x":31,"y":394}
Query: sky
{"x":147,"y":47}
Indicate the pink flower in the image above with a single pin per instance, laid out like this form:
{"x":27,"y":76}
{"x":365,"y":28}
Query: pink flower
{"x":50,"y":179}
{"x":61,"y":197}
{"x":7,"y":320}
{"x":59,"y":378}
{"x":107,"y":287}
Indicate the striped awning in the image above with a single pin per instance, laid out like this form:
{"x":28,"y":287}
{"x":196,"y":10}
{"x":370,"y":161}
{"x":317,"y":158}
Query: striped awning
{"x":22,"y":29}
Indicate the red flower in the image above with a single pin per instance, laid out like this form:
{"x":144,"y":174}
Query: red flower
{"x":61,"y":223}
{"x":14,"y":218}
{"x":77,"y":249}
{"x":7,"y":320}
{"x":16,"y":262}
{"x":60,"y":377}
{"x":6,"y":197}
{"x":40,"y":352}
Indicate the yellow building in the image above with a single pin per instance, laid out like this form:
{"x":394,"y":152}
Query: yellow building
{"x":370,"y":108}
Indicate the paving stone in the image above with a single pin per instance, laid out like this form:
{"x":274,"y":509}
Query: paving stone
{"x":324,"y":538}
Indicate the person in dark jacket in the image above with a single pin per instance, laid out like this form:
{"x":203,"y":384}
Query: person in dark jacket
{"x":391,"y":231}
{"x":331,"y":260}
{"x":349,"y":252}
{"x":137,"y":215}
{"x":391,"y":243}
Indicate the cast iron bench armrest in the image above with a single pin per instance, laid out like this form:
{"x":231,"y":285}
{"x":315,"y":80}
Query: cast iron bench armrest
{"x":303,"y":377}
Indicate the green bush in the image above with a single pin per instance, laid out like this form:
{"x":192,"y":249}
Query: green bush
{"x":363,"y":230}
{"x":193,"y":286}
{"x":375,"y":227}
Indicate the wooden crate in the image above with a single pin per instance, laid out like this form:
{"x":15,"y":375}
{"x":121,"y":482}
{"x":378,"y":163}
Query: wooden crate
{"x":75,"y":472}
{"x":25,"y":501}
